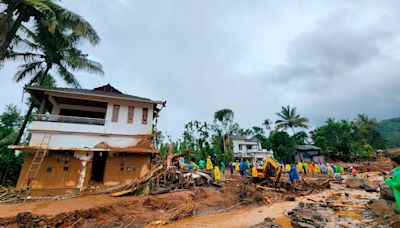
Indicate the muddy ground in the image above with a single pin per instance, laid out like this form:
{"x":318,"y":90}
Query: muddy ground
{"x":238,"y":203}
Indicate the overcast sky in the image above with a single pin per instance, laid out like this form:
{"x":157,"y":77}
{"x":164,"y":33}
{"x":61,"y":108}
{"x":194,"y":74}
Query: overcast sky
{"x":327,"y":58}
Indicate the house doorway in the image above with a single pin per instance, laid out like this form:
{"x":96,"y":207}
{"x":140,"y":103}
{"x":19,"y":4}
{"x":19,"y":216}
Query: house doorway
{"x":98,"y":166}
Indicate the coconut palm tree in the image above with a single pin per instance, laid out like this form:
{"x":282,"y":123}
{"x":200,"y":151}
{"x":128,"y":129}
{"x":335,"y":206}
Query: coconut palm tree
{"x":58,"y":51}
{"x":267,"y":124}
{"x":49,"y":14}
{"x":290,"y":119}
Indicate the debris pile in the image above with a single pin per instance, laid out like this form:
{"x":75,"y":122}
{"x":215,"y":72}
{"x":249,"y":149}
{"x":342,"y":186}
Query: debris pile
{"x":268,"y":222}
{"x":6,"y":194}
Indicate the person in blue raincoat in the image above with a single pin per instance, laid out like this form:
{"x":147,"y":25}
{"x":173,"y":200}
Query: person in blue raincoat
{"x":293,"y":174}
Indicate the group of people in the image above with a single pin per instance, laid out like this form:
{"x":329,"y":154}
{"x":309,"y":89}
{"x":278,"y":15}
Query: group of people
{"x":242,"y":167}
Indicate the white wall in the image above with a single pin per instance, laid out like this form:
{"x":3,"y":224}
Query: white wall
{"x":65,"y":140}
{"x":122,"y":126}
{"x":118,"y":134}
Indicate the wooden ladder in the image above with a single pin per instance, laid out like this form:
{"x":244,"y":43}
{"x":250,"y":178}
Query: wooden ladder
{"x":33,"y":170}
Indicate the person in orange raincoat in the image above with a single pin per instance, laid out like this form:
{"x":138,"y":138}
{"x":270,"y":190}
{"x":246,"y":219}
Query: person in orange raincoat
{"x":311,"y":169}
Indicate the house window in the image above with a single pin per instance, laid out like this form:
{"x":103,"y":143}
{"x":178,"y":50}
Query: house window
{"x":115,"y":113}
{"x":131,"y":110}
{"x":49,"y":169}
{"x":144,"y":115}
{"x":65,"y":168}
{"x":240,"y":147}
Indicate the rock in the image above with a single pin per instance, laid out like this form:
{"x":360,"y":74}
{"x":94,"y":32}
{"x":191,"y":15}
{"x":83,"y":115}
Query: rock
{"x":386,"y":216}
{"x":323,"y":204}
{"x":23,"y":217}
{"x":290,"y":198}
{"x":305,"y":225}
{"x":386,"y":191}
{"x":318,"y":217}
{"x":353,"y":182}
{"x":301,"y":204}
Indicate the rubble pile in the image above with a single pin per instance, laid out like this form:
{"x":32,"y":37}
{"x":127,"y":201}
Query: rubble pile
{"x":329,"y":214}
{"x":268,"y":222}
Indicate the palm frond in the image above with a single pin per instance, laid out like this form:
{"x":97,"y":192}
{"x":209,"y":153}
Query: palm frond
{"x":71,"y":20}
{"x":46,"y":12}
{"x":27,"y":69}
{"x":67,"y":76}
{"x":25,"y":56}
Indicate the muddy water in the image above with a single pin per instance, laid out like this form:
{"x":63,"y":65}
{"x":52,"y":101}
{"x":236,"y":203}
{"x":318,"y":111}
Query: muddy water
{"x":244,"y":217}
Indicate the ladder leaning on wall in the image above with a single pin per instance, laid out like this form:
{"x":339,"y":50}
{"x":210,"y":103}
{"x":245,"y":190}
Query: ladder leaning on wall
{"x":33,"y":170}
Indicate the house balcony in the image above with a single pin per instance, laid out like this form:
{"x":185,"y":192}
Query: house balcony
{"x":68,"y":119}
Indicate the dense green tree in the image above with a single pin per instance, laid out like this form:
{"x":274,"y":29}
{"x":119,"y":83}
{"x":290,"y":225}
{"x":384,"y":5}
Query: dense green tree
{"x":283,"y":146}
{"x":46,"y":14}
{"x":288,"y":118}
{"x":10,"y":162}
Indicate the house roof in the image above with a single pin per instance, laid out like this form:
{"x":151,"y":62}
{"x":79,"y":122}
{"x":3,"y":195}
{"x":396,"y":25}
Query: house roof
{"x":244,"y":138}
{"x":106,"y":91}
{"x":307,"y":148}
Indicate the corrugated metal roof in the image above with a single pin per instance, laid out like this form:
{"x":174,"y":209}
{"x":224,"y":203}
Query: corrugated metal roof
{"x":307,"y":147}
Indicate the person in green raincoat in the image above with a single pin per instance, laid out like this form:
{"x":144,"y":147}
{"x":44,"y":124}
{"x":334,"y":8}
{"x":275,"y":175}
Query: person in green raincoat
{"x":247,"y":164}
{"x":202,"y":164}
{"x":394,"y":180}
{"x":223,"y":167}
{"x":338,"y":169}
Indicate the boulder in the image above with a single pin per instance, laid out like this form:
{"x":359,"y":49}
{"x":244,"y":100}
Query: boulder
{"x":386,"y":191}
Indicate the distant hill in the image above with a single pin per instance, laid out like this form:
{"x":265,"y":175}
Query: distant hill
{"x":390,"y":131}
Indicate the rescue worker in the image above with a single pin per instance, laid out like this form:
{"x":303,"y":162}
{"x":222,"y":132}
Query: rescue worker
{"x":316,"y":168}
{"x":223,"y":167}
{"x":338,"y":169}
{"x":394,"y":180}
{"x":311,"y":169}
{"x":242,"y":166}
{"x":305,"y":168}
{"x":217,"y":174}
{"x":237,"y":166}
{"x":209,"y":165}
{"x":353,"y":172}
{"x":293,"y":174}
{"x":181,"y":162}
{"x":231,"y":166}
{"x":247,"y":164}
{"x":287,"y":168}
{"x":202,"y":164}
{"x":299,"y":167}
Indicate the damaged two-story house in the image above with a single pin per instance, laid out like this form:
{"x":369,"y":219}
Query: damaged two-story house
{"x":83,"y":140}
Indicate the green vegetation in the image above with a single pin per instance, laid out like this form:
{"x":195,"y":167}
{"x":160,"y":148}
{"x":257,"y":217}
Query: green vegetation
{"x":390,"y":131}
{"x":346,"y":140}
{"x":339,"y":140}
{"x":50,"y":42}
{"x":10,"y":162}
{"x":47,"y":15}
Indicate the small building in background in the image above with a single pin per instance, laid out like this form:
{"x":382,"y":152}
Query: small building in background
{"x":248,"y":149}
{"x":308,"y":153}
{"x":86,"y":140}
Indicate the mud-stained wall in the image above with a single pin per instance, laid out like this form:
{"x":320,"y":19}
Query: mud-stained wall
{"x":122,"y":168}
{"x":60,"y":170}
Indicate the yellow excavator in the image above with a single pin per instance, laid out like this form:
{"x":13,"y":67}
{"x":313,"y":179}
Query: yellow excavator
{"x":270,"y":172}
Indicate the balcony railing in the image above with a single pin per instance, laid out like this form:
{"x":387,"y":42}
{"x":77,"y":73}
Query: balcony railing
{"x":68,"y":119}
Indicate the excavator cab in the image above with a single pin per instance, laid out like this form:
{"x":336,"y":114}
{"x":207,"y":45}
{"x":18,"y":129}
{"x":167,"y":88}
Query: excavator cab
{"x":270,"y":172}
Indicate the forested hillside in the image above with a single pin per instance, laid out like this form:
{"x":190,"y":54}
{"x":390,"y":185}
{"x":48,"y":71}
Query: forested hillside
{"x":390,"y":131}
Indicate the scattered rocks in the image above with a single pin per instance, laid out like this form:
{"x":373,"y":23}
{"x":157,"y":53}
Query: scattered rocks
{"x":268,"y":222}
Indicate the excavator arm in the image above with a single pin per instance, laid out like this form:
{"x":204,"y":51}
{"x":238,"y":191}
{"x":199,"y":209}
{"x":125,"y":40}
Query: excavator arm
{"x":271,"y":171}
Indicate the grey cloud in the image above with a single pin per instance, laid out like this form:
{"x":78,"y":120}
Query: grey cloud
{"x":327,"y":58}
